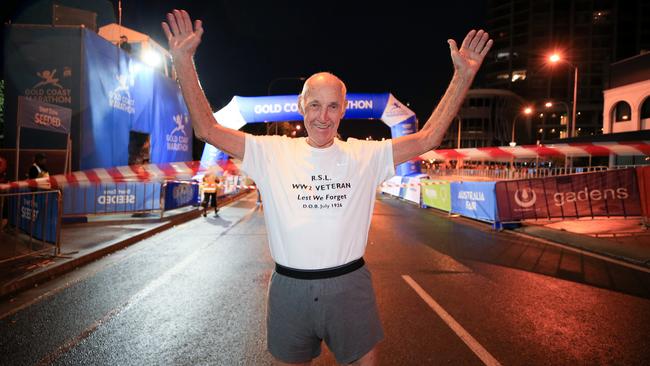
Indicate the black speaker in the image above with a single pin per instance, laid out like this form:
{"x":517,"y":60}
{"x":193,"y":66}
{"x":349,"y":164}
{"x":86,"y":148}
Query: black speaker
{"x":63,"y":15}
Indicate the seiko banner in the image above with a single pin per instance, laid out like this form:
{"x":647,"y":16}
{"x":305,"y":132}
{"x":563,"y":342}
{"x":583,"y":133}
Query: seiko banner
{"x":180,"y":194}
{"x":474,"y":199}
{"x":610,"y":193}
{"x":35,"y":214}
{"x":111,"y":198}
{"x":39,"y":115}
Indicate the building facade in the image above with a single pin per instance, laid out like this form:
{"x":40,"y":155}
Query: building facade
{"x":626,"y":106}
{"x":488,"y":117}
{"x":587,"y":34}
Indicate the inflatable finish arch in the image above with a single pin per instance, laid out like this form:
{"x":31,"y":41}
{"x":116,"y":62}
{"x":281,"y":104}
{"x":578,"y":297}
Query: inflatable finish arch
{"x":280,"y":108}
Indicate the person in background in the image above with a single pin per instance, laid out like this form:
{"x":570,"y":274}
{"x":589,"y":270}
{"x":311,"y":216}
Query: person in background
{"x":124,"y":44}
{"x":210,"y":185}
{"x":39,"y":167}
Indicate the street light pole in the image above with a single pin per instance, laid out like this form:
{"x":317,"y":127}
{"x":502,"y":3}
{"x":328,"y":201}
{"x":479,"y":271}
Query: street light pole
{"x":526,"y":111}
{"x":555,"y":58}
{"x":575,"y":101}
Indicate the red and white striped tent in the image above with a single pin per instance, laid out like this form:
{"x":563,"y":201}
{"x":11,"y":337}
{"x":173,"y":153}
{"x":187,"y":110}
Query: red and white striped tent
{"x":505,"y":153}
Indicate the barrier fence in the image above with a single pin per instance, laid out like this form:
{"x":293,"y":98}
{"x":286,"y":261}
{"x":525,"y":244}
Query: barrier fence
{"x":30,"y":224}
{"x":619,"y":192}
{"x":513,"y":173}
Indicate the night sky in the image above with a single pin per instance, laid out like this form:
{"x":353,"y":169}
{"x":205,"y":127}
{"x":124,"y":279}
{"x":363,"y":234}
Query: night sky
{"x":399,"y":48}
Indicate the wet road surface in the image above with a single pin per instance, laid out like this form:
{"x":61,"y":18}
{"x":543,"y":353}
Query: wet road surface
{"x":450,"y":291}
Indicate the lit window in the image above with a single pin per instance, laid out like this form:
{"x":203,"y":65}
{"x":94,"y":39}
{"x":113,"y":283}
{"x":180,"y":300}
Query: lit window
{"x":503,"y":76}
{"x":518,"y":75}
{"x":622,"y":111}
{"x":503,"y":55}
{"x":600,"y":16}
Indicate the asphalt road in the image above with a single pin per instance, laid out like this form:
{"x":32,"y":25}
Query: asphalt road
{"x":450,"y":291}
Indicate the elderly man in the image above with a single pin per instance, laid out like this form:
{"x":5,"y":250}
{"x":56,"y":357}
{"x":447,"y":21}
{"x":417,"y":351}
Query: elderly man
{"x":319,"y":194}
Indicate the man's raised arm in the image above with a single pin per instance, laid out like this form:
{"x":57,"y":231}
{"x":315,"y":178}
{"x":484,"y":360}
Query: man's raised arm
{"x":184,"y":38}
{"x":466,"y":61}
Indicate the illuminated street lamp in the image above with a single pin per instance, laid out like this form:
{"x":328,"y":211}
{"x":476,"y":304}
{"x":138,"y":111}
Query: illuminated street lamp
{"x":527,"y":111}
{"x":554,"y":59}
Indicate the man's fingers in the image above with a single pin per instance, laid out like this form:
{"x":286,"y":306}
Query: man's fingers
{"x":468,"y":39}
{"x":198,"y":28}
{"x":171,"y":19}
{"x":179,"y":21}
{"x":187,"y":22}
{"x":486,"y":49}
{"x":452,"y":45}
{"x":168,"y":33}
{"x":481,"y":43}
{"x":475,"y":40}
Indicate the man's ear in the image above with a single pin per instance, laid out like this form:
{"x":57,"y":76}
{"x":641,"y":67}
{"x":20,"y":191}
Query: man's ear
{"x":344,"y":108}
{"x":301,"y":105}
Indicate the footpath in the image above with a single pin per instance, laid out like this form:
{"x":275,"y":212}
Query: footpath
{"x":623,"y":239}
{"x":83,"y":243}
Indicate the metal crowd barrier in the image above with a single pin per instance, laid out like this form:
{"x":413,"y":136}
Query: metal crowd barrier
{"x":515,"y":173}
{"x":30,"y":224}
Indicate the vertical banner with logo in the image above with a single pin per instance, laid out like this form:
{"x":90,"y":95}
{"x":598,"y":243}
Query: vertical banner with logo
{"x":171,"y":130}
{"x":474,"y":199}
{"x":180,"y":194}
{"x":610,"y":193}
{"x":402,"y":129}
{"x":35,"y":215}
{"x":436,"y":194}
{"x":41,"y":63}
{"x":118,"y":95}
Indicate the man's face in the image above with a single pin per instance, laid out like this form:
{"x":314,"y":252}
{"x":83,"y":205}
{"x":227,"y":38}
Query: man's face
{"x":322,"y":107}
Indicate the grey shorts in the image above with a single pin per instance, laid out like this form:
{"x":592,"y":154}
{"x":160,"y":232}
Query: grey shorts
{"x":341,"y":311}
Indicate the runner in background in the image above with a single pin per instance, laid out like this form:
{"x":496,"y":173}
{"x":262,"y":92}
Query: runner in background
{"x":210,"y":185}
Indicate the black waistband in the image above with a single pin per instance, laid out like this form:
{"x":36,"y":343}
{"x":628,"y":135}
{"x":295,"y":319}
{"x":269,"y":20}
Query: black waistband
{"x":318,"y":274}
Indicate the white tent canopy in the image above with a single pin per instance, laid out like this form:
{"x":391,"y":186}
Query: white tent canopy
{"x":112,"y":33}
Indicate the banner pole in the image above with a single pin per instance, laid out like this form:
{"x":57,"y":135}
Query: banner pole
{"x":67,"y":154}
{"x":17,"y":150}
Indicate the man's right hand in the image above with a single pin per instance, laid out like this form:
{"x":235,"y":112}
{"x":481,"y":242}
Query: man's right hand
{"x":183,"y":39}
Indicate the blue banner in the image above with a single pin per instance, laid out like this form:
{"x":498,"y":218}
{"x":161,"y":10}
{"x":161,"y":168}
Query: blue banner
{"x":285,"y":107}
{"x":180,"y":194}
{"x":474,"y":199}
{"x":111,"y":198}
{"x":123,"y":95}
{"x":36,"y":214}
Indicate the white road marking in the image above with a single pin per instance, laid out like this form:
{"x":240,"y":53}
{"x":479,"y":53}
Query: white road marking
{"x":472,"y":343}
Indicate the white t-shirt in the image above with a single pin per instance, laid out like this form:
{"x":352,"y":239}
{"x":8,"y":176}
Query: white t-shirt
{"x":317,"y":202}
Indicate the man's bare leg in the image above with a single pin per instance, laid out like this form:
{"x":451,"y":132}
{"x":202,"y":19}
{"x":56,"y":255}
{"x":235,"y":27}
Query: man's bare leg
{"x":369,"y":359}
{"x":280,"y":363}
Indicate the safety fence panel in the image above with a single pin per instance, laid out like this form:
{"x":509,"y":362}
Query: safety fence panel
{"x":436,"y":194}
{"x":392,"y":186}
{"x":476,"y":200}
{"x":180,"y":194}
{"x":643,"y":176}
{"x":111,"y":198}
{"x":610,"y":193}
{"x":30,"y":223}
{"x":34,"y":213}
